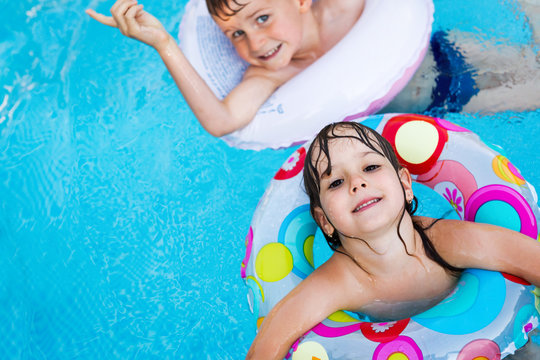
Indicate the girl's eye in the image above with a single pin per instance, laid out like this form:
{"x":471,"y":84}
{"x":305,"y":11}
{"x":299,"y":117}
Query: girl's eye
{"x":262,"y":19}
{"x":371,"y":168}
{"x":335,"y":183}
{"x":237,"y":33}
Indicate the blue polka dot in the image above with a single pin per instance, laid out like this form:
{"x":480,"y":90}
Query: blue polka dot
{"x":321,"y":250}
{"x":477,"y":301}
{"x":373,"y":121}
{"x":499,"y":213}
{"x":524,"y":316}
{"x":432,"y":204}
{"x":294,"y":231}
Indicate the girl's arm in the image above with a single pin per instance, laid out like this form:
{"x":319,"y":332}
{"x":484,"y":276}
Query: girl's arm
{"x":473,"y":245}
{"x":218,"y":117}
{"x":327,"y":290}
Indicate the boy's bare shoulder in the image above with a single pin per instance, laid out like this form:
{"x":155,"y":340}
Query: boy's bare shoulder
{"x":339,"y":6}
{"x":335,"y":18}
{"x":333,"y":10}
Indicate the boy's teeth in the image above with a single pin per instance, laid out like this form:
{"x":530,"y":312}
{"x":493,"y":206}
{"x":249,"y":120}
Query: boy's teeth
{"x":271,"y":52}
{"x":366,"y":204}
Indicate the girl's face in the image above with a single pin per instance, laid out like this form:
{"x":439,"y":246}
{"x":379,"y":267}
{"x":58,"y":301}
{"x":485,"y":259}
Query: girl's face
{"x":265,"y":33}
{"x":362,"y":196}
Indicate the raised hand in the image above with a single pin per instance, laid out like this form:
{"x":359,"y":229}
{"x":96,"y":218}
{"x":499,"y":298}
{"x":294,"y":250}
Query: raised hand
{"x":132,"y":21}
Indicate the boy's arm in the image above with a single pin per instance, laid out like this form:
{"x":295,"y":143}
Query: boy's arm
{"x":473,"y":245}
{"x":218,"y":117}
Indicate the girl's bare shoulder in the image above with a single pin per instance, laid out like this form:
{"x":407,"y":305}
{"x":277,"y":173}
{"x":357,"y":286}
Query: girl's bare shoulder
{"x":353,"y":283}
{"x":441,"y":229}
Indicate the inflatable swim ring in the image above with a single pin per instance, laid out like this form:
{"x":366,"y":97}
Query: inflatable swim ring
{"x":487,"y":316}
{"x":360,"y":75}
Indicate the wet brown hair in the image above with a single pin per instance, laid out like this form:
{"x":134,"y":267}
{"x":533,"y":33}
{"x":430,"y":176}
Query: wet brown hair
{"x":381,"y":146}
{"x":224,"y":8}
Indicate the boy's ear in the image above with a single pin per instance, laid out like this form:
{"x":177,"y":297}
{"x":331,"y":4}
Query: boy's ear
{"x":305,"y":5}
{"x":323,"y":222}
{"x":406,"y":180}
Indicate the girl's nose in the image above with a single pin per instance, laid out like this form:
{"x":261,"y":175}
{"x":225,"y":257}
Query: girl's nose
{"x":358,"y":183}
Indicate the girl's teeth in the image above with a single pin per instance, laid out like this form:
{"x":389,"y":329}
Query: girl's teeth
{"x":366,"y":204}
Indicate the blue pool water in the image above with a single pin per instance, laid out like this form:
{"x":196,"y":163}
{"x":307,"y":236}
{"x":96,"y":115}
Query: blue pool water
{"x":122,"y":222}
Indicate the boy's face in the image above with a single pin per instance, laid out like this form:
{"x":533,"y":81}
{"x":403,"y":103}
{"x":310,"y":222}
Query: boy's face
{"x":265,"y":33}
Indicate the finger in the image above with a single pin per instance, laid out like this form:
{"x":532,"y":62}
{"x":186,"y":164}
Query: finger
{"x":106,"y":20}
{"x":120,"y":7}
{"x":119,"y":14}
{"x":117,"y":4}
{"x":131,"y":14}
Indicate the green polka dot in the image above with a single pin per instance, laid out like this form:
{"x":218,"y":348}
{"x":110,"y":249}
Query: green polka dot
{"x":416,"y":141}
{"x":308,"y":249}
{"x":273,"y":262}
{"x":341,"y":316}
{"x":398,"y":356}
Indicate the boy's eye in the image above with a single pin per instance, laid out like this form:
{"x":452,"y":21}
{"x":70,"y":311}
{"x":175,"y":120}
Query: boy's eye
{"x":335,"y":183}
{"x":371,"y":168}
{"x":262,"y":19}
{"x":237,"y":33}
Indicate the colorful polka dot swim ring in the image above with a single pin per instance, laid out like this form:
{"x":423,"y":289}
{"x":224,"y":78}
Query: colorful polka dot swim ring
{"x":487,"y":317}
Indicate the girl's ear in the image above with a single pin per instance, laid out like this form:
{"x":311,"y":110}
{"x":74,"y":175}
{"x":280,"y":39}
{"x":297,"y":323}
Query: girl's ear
{"x":304,"y":5}
{"x":323,"y":222}
{"x":406,"y":180}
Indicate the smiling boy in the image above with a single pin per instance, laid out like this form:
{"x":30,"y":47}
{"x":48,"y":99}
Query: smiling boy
{"x":278,"y":38}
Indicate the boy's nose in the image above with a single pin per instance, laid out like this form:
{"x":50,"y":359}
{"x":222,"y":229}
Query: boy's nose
{"x":256,"y":41}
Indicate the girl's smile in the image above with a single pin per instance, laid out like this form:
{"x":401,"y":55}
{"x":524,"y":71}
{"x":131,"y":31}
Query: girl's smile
{"x":366,"y":204}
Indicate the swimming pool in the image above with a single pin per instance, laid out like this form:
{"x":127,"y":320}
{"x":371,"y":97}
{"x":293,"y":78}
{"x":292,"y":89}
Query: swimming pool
{"x":122,"y":222}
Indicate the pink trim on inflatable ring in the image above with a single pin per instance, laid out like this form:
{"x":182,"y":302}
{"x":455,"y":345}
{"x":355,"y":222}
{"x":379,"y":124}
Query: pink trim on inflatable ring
{"x":249,"y":244}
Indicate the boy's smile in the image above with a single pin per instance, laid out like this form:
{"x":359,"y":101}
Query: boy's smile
{"x":270,"y":54}
{"x":265,"y":33}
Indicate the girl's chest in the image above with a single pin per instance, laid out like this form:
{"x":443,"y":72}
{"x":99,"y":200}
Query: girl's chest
{"x":406,"y":293}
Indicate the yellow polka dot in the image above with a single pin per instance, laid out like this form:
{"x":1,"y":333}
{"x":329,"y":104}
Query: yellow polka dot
{"x":398,"y":356}
{"x":308,"y":249}
{"x":341,"y":316}
{"x":259,"y":321}
{"x":416,"y":141}
{"x":310,"y":350}
{"x":273,"y":262}
{"x":501,"y":169}
{"x":480,"y":358}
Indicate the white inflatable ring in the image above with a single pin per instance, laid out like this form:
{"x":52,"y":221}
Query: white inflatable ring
{"x":360,"y":75}
{"x":488,"y":315}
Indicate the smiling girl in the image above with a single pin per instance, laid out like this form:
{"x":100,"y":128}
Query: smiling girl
{"x":387,"y":263}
